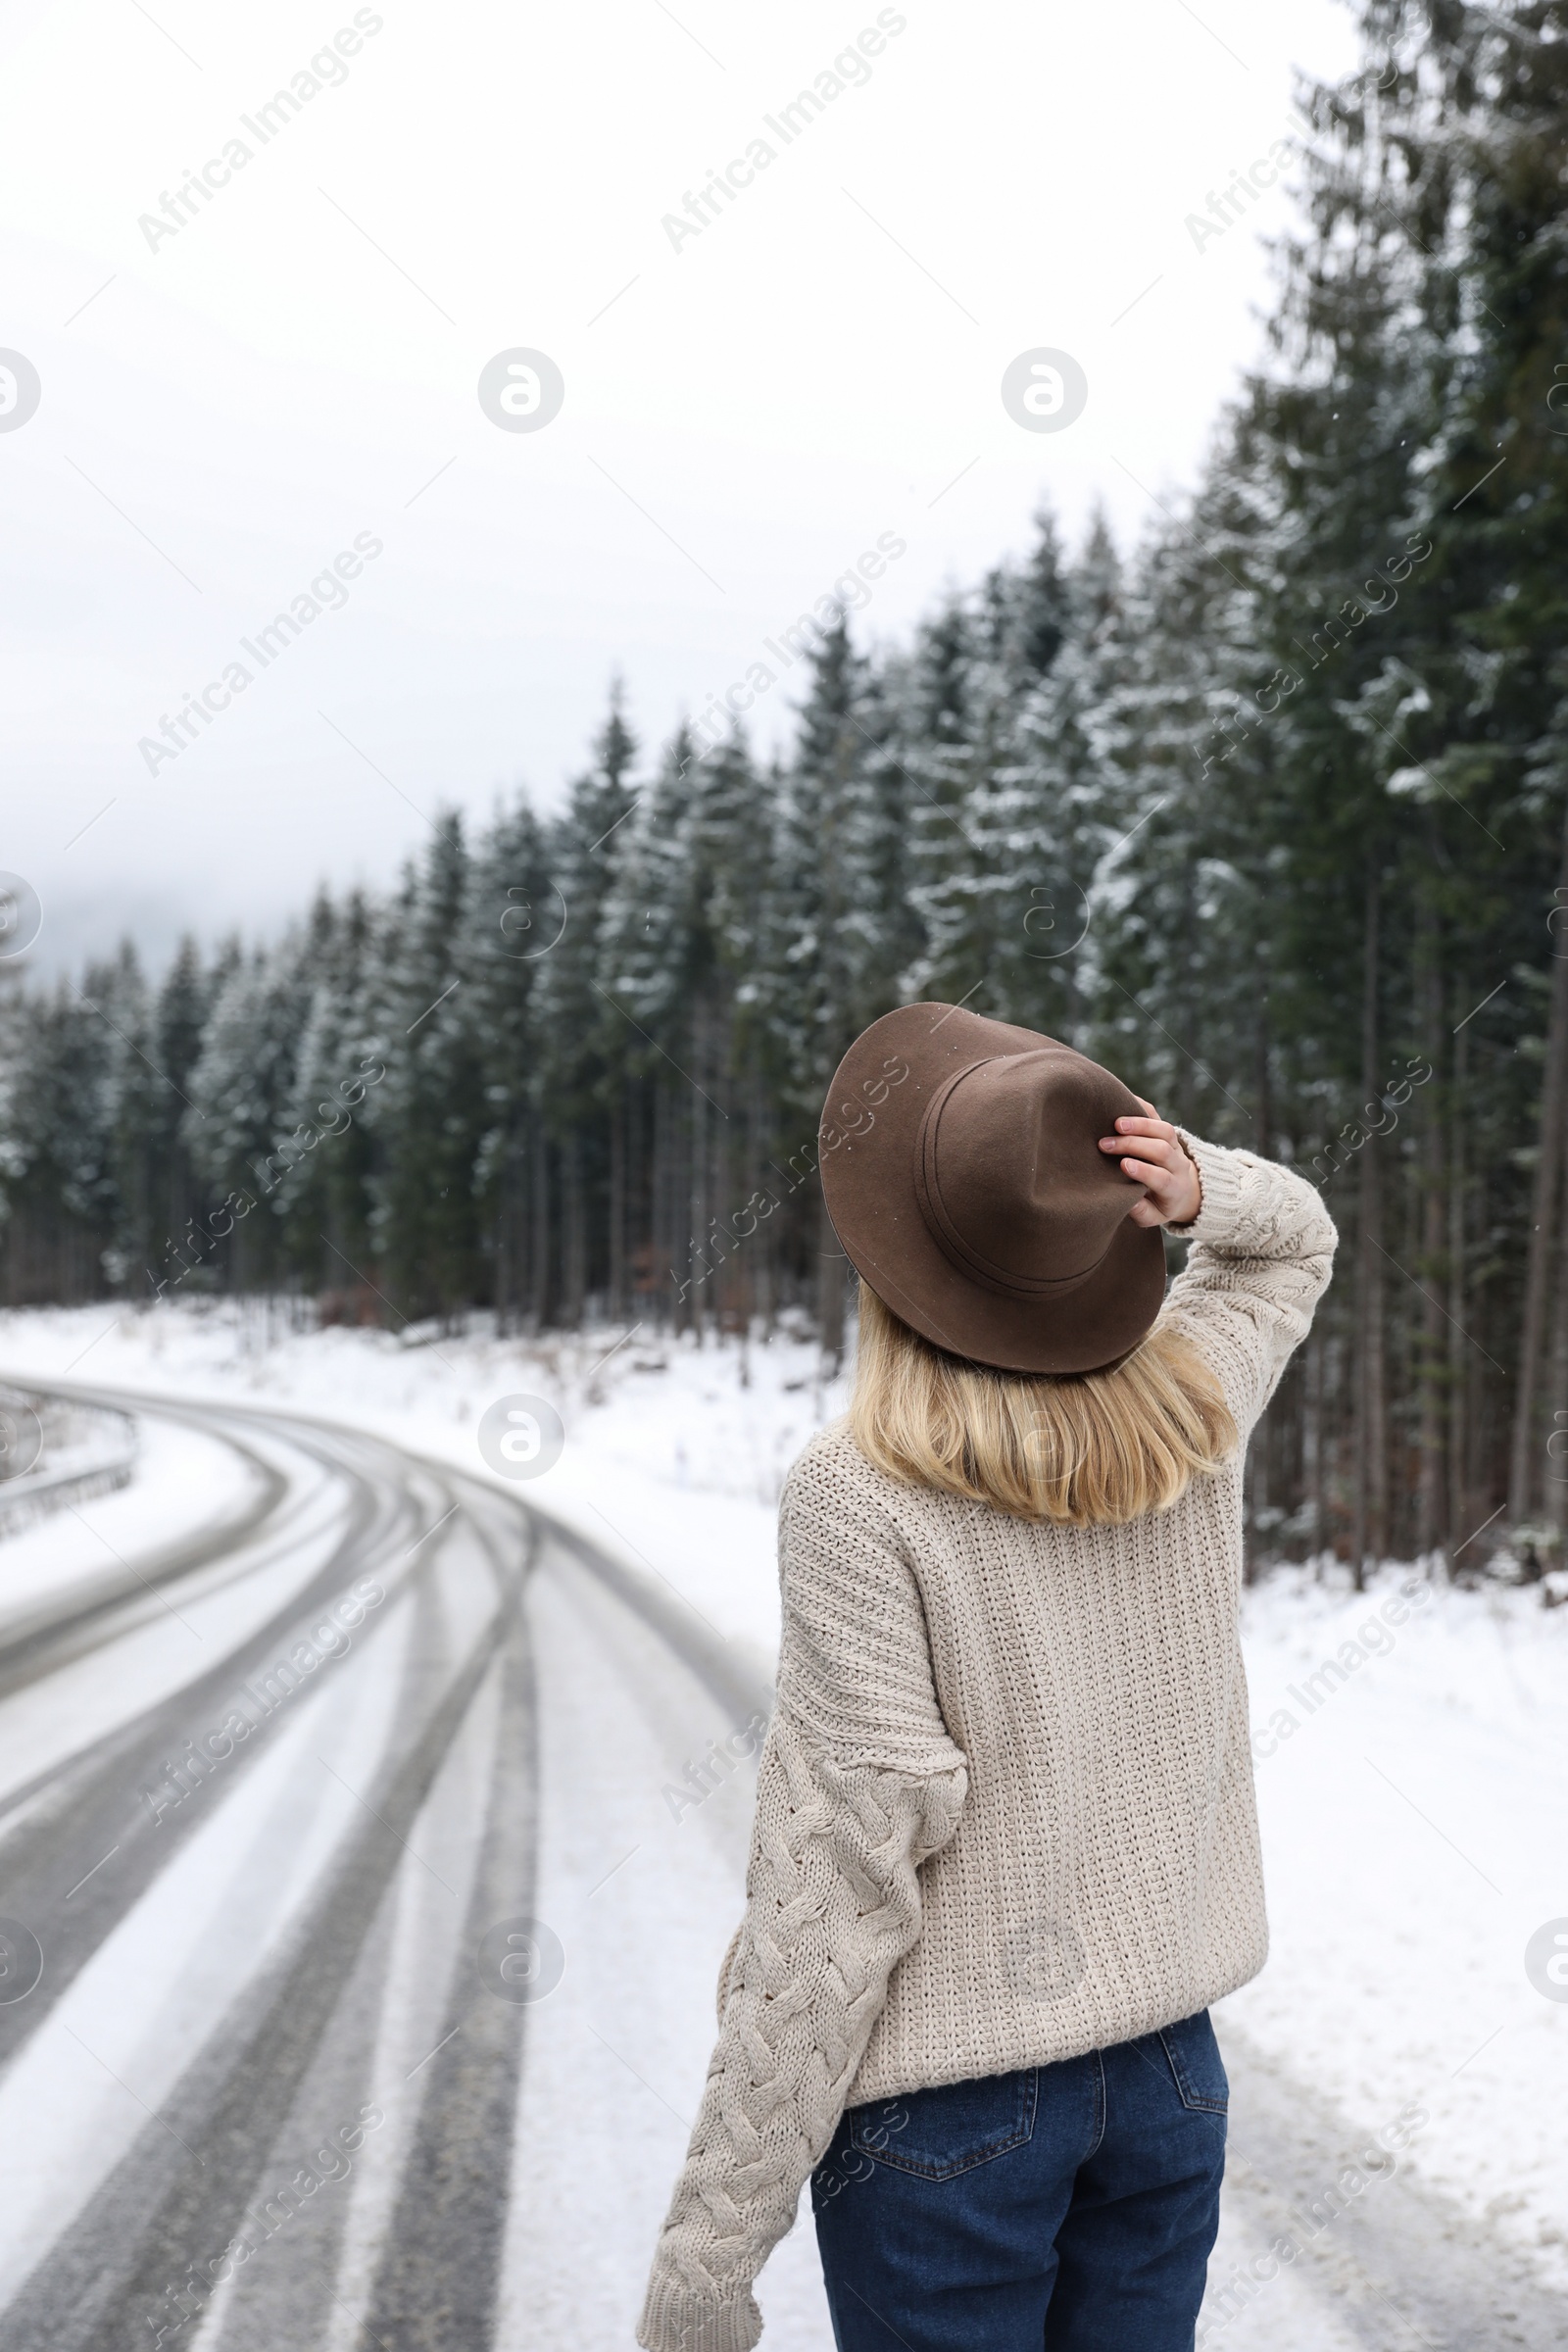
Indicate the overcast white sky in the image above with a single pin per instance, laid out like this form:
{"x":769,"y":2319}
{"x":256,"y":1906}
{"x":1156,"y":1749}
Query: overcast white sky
{"x":224,"y":410}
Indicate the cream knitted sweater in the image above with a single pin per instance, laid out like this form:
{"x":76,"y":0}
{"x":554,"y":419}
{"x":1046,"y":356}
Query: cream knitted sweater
{"x":1004,"y":1807}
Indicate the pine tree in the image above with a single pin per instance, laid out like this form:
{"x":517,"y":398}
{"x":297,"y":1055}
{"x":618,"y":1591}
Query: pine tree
{"x":518,"y":919}
{"x":580,"y":1033}
{"x":241,"y":1087}
{"x":430,"y":1114}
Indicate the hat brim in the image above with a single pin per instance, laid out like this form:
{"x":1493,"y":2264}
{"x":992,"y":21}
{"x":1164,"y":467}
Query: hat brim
{"x":868,"y":1143}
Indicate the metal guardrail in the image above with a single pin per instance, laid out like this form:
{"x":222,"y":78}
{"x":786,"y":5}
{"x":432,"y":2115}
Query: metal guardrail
{"x":35,"y":1492}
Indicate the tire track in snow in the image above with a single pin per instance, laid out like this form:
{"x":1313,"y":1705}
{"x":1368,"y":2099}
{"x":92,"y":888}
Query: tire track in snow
{"x":95,"y":1806}
{"x":187,"y":2177}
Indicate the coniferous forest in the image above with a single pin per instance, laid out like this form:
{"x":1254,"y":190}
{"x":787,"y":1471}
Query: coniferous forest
{"x":1269,"y":813}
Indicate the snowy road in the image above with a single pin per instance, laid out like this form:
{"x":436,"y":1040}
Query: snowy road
{"x":271,"y":1801}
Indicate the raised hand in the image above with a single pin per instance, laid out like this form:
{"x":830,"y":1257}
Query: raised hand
{"x":1152,"y":1153}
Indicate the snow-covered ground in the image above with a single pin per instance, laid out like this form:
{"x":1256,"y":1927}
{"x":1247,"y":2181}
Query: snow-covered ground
{"x":1411,"y":1743}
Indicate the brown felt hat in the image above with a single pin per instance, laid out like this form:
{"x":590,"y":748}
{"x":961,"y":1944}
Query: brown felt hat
{"x":962,"y":1166}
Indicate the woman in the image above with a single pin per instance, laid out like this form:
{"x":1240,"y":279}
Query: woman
{"x":1005,"y":1849}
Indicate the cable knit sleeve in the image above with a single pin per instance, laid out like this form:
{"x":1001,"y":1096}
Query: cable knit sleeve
{"x":1261,"y":1256}
{"x":859,"y":1784}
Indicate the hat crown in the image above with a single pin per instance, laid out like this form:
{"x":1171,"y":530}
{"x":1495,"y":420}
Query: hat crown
{"x":1014,"y":1187}
{"x":962,"y":1167}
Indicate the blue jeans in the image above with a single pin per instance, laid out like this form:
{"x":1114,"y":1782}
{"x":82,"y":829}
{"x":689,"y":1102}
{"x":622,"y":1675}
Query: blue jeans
{"x":1066,"y":2208}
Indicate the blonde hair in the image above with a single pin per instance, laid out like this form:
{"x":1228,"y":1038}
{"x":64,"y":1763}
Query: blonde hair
{"x":1093,"y":1450}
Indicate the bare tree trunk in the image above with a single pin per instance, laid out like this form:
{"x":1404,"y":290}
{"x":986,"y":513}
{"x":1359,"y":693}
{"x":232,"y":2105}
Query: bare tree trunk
{"x":1263,"y":1136}
{"x":1430,"y":1363}
{"x":755,"y":1177}
{"x":702,"y":1262}
{"x":1371,"y":1449}
{"x":1523,"y":1483}
{"x":539,"y":1205}
{"x":1431,"y":1496}
{"x":682,"y":1250}
{"x":506,"y":1239}
{"x":575,"y":1233}
{"x":665,"y":1264}
{"x":641,"y":1234}
{"x":617,"y":1209}
{"x":1458,"y":1365}
{"x":1556,"y":1447}
{"x":832,"y":1270}
{"x":1317,"y":1440}
{"x":722,"y":1204}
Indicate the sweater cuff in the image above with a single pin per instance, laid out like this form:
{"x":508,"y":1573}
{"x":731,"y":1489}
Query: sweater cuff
{"x":674,"y":2320}
{"x":1221,"y":1174}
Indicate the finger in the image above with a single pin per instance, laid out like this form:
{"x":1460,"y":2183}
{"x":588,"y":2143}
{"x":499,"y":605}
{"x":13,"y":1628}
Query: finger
{"x":1163,"y":1153}
{"x":1140,"y":1135}
{"x":1152,"y":1173}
